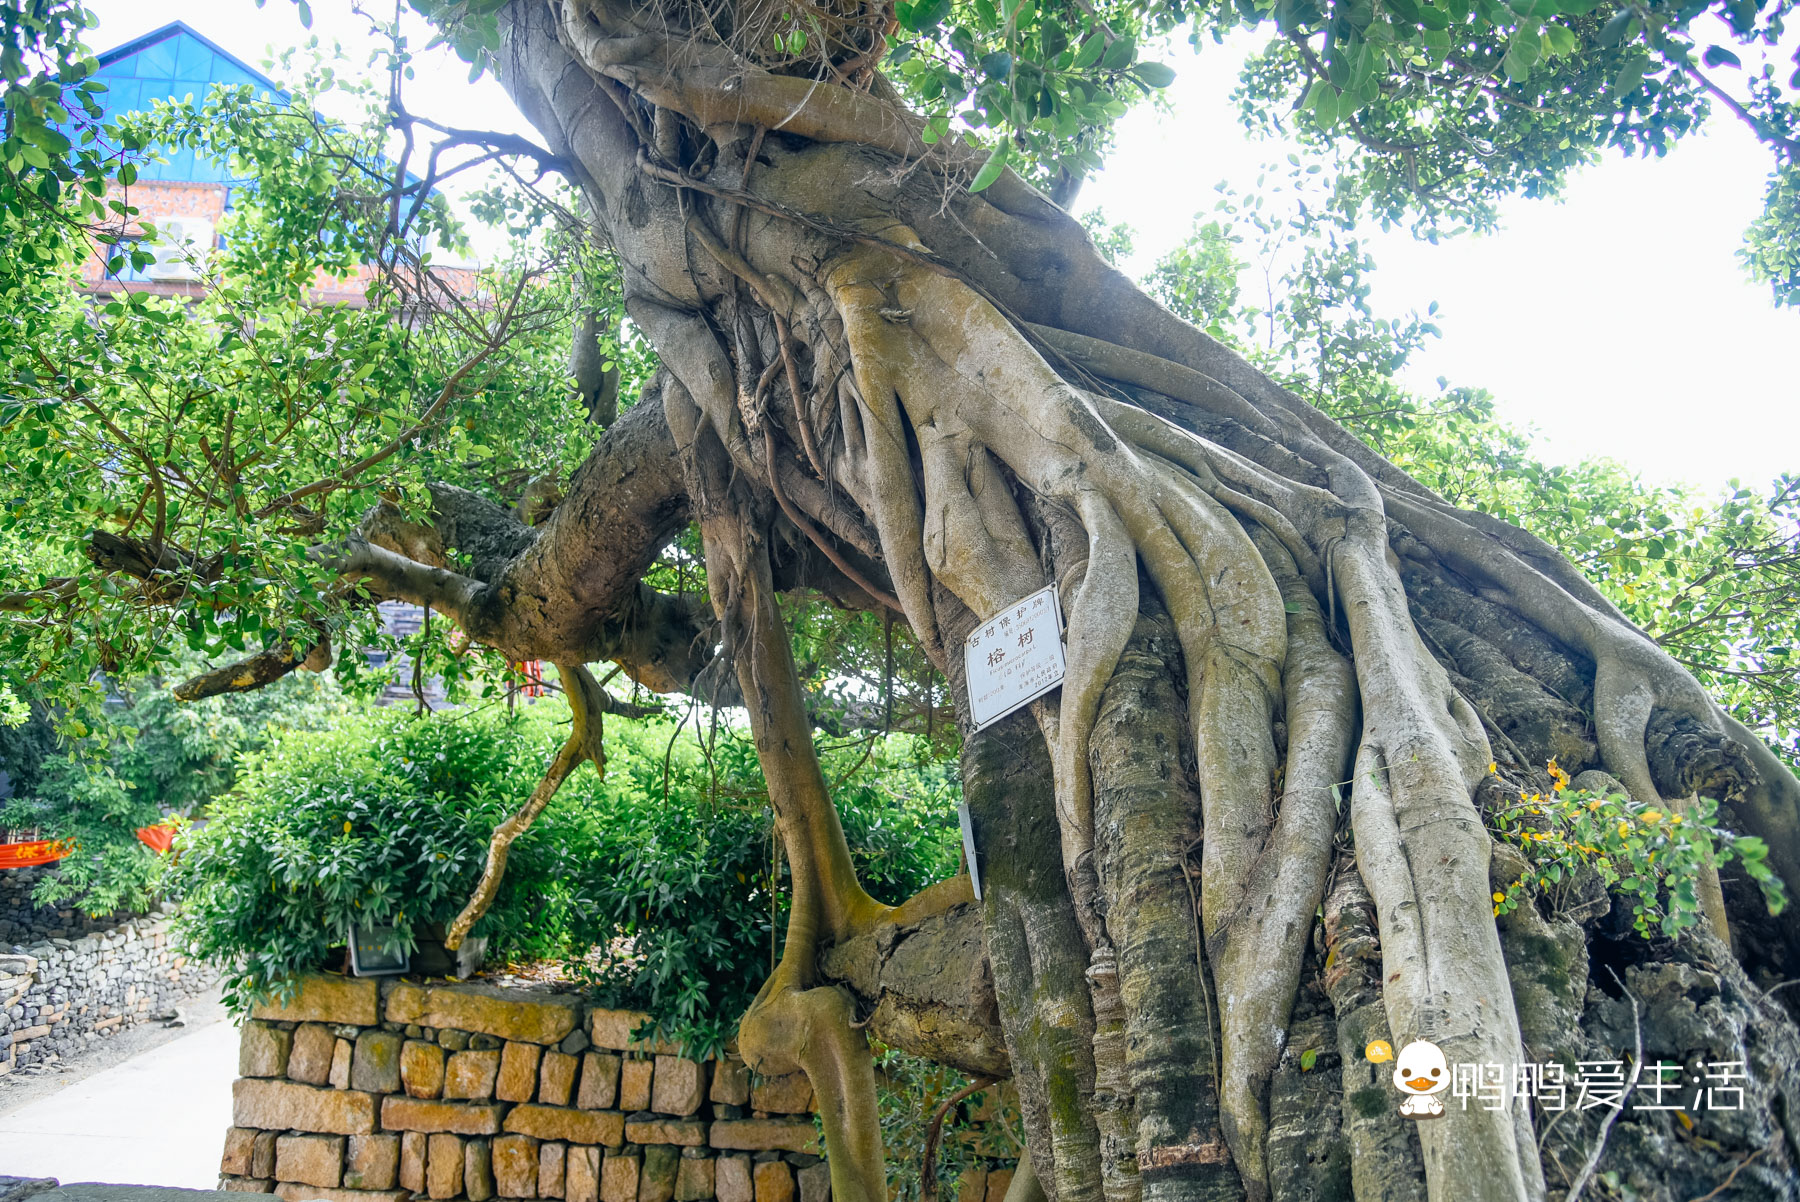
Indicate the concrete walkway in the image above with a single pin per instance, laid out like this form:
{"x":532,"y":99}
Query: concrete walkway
{"x":156,"y":1119}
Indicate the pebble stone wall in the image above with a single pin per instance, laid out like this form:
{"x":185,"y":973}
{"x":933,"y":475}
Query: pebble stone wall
{"x":61,"y":992}
{"x":367,"y":1091}
{"x":23,"y":921}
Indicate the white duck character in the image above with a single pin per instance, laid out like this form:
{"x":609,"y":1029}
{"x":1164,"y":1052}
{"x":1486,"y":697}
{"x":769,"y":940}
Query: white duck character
{"x":1420,"y":1072}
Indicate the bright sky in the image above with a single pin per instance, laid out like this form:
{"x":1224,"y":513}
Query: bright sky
{"x":1616,"y":322}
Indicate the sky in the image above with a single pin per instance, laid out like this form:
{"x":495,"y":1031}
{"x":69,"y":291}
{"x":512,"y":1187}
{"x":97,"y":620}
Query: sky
{"x":1615,"y":321}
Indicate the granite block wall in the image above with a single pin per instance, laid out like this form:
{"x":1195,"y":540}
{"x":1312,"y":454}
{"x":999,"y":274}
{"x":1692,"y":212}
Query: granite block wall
{"x":380,"y":1091}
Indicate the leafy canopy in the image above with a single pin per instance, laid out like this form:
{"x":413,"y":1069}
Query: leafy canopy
{"x":179,"y":461}
{"x":1429,"y":111}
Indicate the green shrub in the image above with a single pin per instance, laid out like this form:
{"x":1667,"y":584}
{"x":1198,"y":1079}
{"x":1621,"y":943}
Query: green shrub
{"x":384,"y":821}
{"x":679,"y":863}
{"x":1650,"y":856}
{"x":665,"y":866}
{"x":981,"y":1130}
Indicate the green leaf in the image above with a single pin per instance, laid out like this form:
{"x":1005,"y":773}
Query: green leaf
{"x":1631,"y":75}
{"x":1322,"y":102}
{"x":928,"y":14}
{"x":1521,"y":55}
{"x":990,"y":170}
{"x":1089,"y":54}
{"x":1308,"y":1058}
{"x":46,"y":136}
{"x":1157,"y":75}
{"x":1619,"y":27}
{"x":1118,"y":56}
{"x":1718,"y":56}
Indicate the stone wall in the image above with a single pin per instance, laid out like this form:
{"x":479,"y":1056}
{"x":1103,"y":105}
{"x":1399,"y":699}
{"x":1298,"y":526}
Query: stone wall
{"x":367,"y":1091}
{"x":58,"y":995}
{"x":23,"y":921}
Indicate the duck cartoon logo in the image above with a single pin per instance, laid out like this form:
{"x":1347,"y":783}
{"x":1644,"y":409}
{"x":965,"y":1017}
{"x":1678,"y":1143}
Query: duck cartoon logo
{"x":1420,"y":1072}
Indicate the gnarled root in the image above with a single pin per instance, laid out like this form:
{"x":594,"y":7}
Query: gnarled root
{"x":1147,"y":815}
{"x":792,"y":1028}
{"x":795,"y":1023}
{"x":585,"y":742}
{"x":972,"y":377}
{"x":1262,"y":944}
{"x":1386,"y":1163}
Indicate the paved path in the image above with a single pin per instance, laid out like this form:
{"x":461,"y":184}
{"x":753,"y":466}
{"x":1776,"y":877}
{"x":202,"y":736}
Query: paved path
{"x":156,"y":1119}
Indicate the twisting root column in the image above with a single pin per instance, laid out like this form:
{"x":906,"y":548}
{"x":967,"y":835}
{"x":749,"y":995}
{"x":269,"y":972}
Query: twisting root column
{"x":584,"y":743}
{"x":1424,"y":853}
{"x":1146,"y":820}
{"x":795,"y":1023}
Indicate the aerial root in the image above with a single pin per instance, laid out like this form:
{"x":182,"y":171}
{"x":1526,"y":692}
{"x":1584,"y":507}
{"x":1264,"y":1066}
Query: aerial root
{"x":1101,"y":615}
{"x":790,"y":1028}
{"x":1385,"y":1158}
{"x":1633,"y":677}
{"x":934,"y":1132}
{"x":1444,"y":974}
{"x":582,"y":744}
{"x":1258,"y":968}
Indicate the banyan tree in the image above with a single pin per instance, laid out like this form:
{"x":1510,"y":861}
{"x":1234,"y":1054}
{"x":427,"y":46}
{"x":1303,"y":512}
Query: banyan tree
{"x":1249,"y":835}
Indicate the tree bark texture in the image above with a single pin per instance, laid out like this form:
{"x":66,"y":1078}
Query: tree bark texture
{"x":1246,"y":838}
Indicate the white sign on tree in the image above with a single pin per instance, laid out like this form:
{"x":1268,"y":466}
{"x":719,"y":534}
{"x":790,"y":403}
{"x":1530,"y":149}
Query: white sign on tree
{"x":1014,"y":657}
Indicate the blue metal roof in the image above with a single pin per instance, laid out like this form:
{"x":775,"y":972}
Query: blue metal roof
{"x":175,"y":62}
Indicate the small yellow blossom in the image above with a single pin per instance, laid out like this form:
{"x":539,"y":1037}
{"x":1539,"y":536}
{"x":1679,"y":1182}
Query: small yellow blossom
{"x":1594,"y":804}
{"x":1493,"y":768}
{"x":1652,"y":816}
{"x":346,"y":826}
{"x":1499,"y":897}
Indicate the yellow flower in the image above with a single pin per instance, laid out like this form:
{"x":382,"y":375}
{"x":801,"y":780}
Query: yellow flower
{"x":1624,"y":829}
{"x":1675,"y":820}
{"x":1499,"y":897}
{"x":1652,"y":816}
{"x":1496,"y":911}
{"x":1493,"y":768}
{"x":346,"y":826}
{"x":1594,"y":804}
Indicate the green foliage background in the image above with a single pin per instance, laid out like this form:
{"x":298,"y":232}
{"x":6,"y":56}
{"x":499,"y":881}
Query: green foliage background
{"x":656,"y":884}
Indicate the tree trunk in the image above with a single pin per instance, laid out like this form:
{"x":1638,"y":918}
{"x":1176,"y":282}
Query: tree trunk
{"x":1246,"y":838}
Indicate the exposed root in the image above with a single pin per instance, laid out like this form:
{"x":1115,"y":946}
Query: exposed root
{"x":585,"y":742}
{"x":934,"y":1131}
{"x":984,"y":472}
{"x":1258,"y":965}
{"x":794,"y":1023}
{"x":1386,"y":1163}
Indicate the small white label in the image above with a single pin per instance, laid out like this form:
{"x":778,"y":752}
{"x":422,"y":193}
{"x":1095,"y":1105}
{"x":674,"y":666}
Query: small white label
{"x":1014,"y":657}
{"x":968,"y":834}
